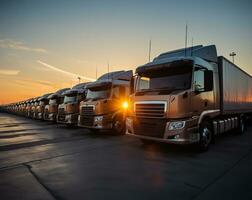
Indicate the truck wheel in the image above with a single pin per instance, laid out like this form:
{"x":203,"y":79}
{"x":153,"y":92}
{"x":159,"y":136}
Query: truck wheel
{"x":206,"y":135}
{"x":241,"y":128}
{"x":119,"y":126}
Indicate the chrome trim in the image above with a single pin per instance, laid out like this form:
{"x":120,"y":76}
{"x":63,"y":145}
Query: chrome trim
{"x":151,"y":102}
{"x":88,"y":105}
{"x":206,"y":112}
{"x":164,"y":140}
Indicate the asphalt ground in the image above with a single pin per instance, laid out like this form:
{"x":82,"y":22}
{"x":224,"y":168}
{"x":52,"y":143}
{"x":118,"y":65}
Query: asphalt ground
{"x":42,"y":160}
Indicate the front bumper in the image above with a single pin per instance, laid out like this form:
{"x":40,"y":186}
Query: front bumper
{"x":68,"y":118}
{"x":52,"y":117}
{"x":187,"y":135}
{"x":91,"y":123}
{"x":40,"y":116}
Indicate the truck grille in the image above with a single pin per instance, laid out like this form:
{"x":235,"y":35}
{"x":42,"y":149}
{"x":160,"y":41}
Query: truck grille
{"x":86,"y":121}
{"x":149,"y":127}
{"x":61,"y":111}
{"x":87,"y":110}
{"x":150,"y":109}
{"x":46,"y":111}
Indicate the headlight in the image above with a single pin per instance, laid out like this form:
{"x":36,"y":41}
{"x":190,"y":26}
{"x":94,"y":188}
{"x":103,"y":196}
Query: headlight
{"x":98,"y":118}
{"x":125,"y":105}
{"x":176,"y":125}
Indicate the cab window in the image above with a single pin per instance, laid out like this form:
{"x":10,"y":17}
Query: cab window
{"x":199,"y":79}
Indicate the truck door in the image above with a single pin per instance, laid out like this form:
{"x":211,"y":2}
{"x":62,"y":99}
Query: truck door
{"x":202,"y":95}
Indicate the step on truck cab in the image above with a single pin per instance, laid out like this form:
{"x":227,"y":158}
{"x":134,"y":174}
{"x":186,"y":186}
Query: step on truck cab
{"x":68,"y":111}
{"x":106,"y":103}
{"x":51,"y":110}
{"x":43,"y":101}
{"x":189,"y":96}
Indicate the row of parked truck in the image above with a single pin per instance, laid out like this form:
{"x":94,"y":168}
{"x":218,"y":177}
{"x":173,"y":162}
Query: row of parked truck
{"x":186,"y":96}
{"x":95,"y":105}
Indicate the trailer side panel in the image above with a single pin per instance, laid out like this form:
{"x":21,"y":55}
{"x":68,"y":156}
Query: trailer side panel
{"x":236,"y":88}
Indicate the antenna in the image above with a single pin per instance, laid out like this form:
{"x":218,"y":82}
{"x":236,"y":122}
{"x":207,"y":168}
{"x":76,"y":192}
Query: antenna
{"x":192,"y":48}
{"x":186,"y":38}
{"x":149,"y":50}
{"x":108,"y":69}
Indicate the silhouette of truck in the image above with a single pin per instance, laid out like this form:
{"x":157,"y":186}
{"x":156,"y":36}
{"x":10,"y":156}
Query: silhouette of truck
{"x":106,"y":103}
{"x":189,"y":96}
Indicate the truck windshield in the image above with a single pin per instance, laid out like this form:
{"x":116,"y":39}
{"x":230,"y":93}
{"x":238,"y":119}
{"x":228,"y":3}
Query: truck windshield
{"x":70,"y":98}
{"x":171,"y":79}
{"x":98,"y":93}
{"x":53,"y":101}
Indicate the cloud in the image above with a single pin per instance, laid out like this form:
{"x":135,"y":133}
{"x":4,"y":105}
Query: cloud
{"x":13,"y":44}
{"x":38,"y":82}
{"x":9,"y":72}
{"x":29,"y":83}
{"x":64,"y":72}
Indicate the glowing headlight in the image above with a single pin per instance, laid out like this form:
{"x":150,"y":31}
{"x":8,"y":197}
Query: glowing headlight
{"x":176,"y":125}
{"x":125,"y":105}
{"x":98,"y":118}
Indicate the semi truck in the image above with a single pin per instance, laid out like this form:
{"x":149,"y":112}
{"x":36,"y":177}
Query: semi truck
{"x":51,"y":110}
{"x":106,"y":103}
{"x":68,"y":111}
{"x":43,"y":101}
{"x":189,"y":96}
{"x":28,"y":108}
{"x":34,"y":111}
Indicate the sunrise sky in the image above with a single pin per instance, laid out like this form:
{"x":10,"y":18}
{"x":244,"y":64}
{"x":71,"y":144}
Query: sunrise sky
{"x":46,"y":45}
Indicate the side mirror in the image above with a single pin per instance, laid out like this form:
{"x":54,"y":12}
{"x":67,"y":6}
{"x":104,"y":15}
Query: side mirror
{"x":208,"y":80}
{"x":132,"y":84}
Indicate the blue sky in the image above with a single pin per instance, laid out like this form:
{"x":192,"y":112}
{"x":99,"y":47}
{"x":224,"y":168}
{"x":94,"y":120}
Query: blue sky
{"x":78,"y":36}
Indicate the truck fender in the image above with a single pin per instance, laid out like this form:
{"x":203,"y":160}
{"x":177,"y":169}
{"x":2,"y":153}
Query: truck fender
{"x":208,"y":113}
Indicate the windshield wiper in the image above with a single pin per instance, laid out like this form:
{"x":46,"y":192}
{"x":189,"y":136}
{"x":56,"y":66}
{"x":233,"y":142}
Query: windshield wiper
{"x":146,"y":90}
{"x":97,"y":98}
{"x":69,"y":102}
{"x":170,"y":89}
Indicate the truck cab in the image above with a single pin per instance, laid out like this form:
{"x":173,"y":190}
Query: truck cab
{"x":42,"y":102}
{"x":106,"y":103}
{"x":28,"y":108}
{"x":55,"y":99}
{"x":68,"y":111}
{"x":34,"y":104}
{"x":20,"y":110}
{"x":173,"y":94}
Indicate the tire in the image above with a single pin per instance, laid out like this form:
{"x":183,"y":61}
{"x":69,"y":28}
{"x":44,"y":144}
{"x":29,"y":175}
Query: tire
{"x":206,"y":136}
{"x":119,"y":126}
{"x":242,"y":126}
